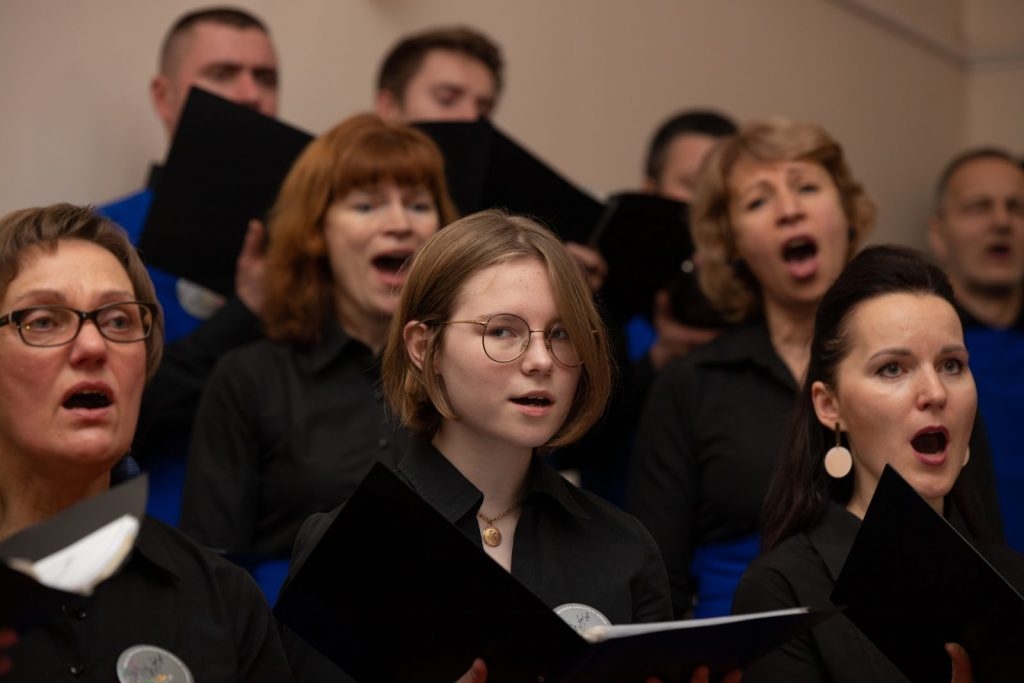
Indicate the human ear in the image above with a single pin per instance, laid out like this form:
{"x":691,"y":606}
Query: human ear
{"x":416,"y":336}
{"x":936,"y":240}
{"x":386,"y":105}
{"x":826,"y":405}
{"x":161,"y":92}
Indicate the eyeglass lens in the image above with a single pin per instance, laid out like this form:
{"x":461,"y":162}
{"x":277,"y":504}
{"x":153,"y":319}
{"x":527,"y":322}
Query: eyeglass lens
{"x":56,"y":325}
{"x":507,"y":336}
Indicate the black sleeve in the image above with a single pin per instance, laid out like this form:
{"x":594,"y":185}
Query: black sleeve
{"x":662,"y":490}
{"x":171,"y":399}
{"x":763,"y":590}
{"x":220,"y":504}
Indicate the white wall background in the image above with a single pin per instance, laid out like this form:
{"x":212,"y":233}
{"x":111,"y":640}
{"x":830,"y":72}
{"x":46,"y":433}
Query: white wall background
{"x":903,"y":84}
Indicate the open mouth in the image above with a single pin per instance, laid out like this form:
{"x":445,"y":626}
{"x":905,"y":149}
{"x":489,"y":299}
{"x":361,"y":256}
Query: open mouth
{"x":998,"y":250}
{"x":87,"y":399}
{"x":391,"y":263}
{"x":930,"y":443}
{"x":799,"y":249}
{"x":534,"y":401}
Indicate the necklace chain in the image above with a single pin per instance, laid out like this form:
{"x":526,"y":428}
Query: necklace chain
{"x":491,"y":536}
{"x":491,"y":520}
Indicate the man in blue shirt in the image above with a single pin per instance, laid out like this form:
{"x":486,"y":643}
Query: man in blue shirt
{"x":977,"y":235}
{"x":229,"y":53}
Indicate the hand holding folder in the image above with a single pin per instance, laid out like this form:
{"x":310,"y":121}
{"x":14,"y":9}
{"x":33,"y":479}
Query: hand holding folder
{"x":394,"y":592}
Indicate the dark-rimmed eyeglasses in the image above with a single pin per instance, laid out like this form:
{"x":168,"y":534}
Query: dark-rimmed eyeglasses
{"x":122,"y":322}
{"x":506,"y":337}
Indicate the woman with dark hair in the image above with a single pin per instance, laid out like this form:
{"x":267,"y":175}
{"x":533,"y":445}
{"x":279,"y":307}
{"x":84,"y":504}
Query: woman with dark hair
{"x":888,"y":378}
{"x":288,"y":426}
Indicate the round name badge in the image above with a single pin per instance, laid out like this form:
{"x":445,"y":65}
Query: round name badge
{"x":151,"y":664}
{"x":581,"y":617}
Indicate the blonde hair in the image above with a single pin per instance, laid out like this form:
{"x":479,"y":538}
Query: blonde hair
{"x":435,"y":279}
{"x":723,"y":278}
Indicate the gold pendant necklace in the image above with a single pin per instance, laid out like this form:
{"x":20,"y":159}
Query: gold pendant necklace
{"x":490,"y":534}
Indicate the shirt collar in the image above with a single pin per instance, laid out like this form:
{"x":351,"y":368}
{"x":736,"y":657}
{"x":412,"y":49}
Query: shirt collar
{"x":152,"y":552}
{"x":332,"y":346}
{"x":439,"y":483}
{"x":749,"y":343}
{"x":833,"y":537}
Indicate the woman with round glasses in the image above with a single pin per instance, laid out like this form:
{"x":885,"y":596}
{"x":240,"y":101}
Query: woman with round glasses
{"x":496,"y":354}
{"x":290,"y":425}
{"x":79,"y":336}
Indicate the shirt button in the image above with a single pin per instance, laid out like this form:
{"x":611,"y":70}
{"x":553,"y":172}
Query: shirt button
{"x":80,"y":613}
{"x":383,"y":442}
{"x":76,"y":669}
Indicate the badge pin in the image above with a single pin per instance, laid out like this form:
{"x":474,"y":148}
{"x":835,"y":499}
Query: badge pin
{"x":581,"y":617}
{"x":151,"y":664}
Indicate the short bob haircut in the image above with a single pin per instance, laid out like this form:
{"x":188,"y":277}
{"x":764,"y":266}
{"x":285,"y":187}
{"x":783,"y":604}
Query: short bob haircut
{"x":361,"y":151}
{"x":431,"y":293}
{"x":800,"y":489}
{"x":45,"y":227}
{"x":724,"y":278}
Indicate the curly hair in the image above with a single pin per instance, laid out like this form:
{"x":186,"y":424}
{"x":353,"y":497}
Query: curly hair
{"x":725,"y":281}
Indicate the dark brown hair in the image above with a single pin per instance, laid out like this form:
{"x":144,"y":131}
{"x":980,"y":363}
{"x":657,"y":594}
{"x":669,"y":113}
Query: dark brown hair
{"x":404,"y":59}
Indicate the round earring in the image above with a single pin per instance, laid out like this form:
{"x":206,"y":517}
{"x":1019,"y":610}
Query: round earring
{"x":838,"y":460}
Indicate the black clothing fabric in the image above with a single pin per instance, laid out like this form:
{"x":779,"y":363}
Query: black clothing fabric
{"x":283,"y":432}
{"x":707,"y":445}
{"x":802,"y":571}
{"x":709,"y":440}
{"x":570,"y":546}
{"x":171,"y":398}
{"x":171,"y":594}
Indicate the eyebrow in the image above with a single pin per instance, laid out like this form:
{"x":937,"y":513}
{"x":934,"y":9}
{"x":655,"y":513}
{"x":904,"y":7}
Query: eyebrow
{"x":903,"y":352}
{"x":57,"y":295}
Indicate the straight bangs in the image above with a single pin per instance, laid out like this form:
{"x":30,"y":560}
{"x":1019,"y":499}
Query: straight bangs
{"x":388,"y":154}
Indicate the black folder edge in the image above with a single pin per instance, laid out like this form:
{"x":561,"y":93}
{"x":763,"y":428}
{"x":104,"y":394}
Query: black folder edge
{"x":646,"y":241}
{"x":486,"y":168}
{"x":26,"y":602}
{"x":386,"y":524}
{"x":891,"y":565}
{"x":225,"y":166}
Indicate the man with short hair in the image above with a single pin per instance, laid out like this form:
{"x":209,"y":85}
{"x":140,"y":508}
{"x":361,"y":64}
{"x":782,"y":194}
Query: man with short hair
{"x":442,"y":74}
{"x":977,"y":235}
{"x":229,"y":53}
{"x":677,"y":150}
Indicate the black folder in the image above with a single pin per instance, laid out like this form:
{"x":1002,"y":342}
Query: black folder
{"x":394,"y":592}
{"x":912,"y":583}
{"x":225,"y":167}
{"x":26,"y":602}
{"x":647,"y":243}
{"x":485,"y":168}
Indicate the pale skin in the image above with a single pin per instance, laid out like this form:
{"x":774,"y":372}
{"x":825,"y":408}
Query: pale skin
{"x":493,"y":442}
{"x":977,"y":235}
{"x":771,"y":206}
{"x":905,"y":370}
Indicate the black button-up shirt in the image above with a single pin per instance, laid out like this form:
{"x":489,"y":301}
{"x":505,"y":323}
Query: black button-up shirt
{"x":284,"y":432}
{"x":171,"y":594}
{"x":570,"y":546}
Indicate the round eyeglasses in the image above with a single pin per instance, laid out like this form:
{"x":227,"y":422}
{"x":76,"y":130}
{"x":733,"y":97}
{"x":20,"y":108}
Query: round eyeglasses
{"x":506,"y":337}
{"x":122,"y":322}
